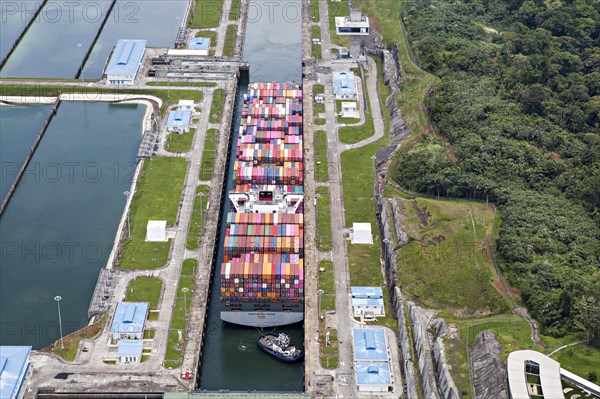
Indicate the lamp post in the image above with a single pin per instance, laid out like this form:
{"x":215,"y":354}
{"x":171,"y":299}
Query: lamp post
{"x":374,"y":176}
{"x":201,"y":210}
{"x":58,"y":299}
{"x":185,"y":290}
{"x":126,"y":194}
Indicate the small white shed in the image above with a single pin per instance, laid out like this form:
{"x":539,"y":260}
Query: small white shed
{"x":156,"y":231}
{"x":349,"y":110}
{"x":361,"y":233}
{"x":185,"y":105}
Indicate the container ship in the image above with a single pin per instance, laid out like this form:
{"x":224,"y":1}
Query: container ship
{"x":262,"y":274}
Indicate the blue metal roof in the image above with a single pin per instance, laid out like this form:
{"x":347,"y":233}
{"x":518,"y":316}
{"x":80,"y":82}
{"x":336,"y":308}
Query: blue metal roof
{"x":179,"y":118}
{"x":200,"y":43}
{"x":129,"y":317}
{"x":368,"y":373}
{"x":14,"y":361}
{"x":369,"y":344}
{"x":343,"y":83}
{"x":130,"y":347}
{"x":367,"y":296}
{"x":126,"y":57}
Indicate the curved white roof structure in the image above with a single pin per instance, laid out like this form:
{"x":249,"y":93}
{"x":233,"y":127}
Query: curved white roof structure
{"x":524,"y":367}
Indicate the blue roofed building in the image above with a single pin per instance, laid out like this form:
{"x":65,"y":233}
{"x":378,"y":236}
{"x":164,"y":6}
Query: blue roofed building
{"x":125,"y":61}
{"x":179,"y":121}
{"x":130,"y":351}
{"x":129,"y":320}
{"x":344,"y":85}
{"x":373,"y":377}
{"x":200,"y":43}
{"x":367,"y":302}
{"x":14,"y":363}
{"x":370,"y":345}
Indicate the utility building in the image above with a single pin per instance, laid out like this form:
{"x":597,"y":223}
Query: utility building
{"x":125,"y":61}
{"x":179,"y":121}
{"x":130,"y":351}
{"x":344,"y":85}
{"x":367,"y":302}
{"x":200,"y":44}
{"x":14,"y":363}
{"x":356,"y":26}
{"x":156,"y":231}
{"x":129,"y":320}
{"x":349,"y":110}
{"x":370,"y":345}
{"x":373,"y":377}
{"x":361,"y":233}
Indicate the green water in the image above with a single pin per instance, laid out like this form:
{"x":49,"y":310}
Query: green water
{"x":59,"y":227}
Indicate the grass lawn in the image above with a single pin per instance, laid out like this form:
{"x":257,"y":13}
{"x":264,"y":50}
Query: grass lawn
{"x":156,"y":198}
{"x":318,"y":108}
{"x":329,"y":354}
{"x":71,"y":341}
{"x":206,"y":14}
{"x":183,"y":84}
{"x":230,"y":36}
{"x":318,"y":89}
{"x":208,"y":155}
{"x":210,"y":34}
{"x":320,"y":121}
{"x":323,"y":220}
{"x":174,"y":352}
{"x":354,"y":134}
{"x":178,"y":320}
{"x":316,"y":31}
{"x":447,"y":264}
{"x":145,"y":289}
{"x":216,"y":107}
{"x":340,"y":9}
{"x":580,"y":359}
{"x":322,"y":166}
{"x":326,"y":283}
{"x":234,"y":12}
{"x":185,"y":282}
{"x":189,"y":267}
{"x":149,"y":334}
{"x":198,"y":217}
{"x":180,"y":142}
{"x":314,"y":10}
{"x":316,"y":51}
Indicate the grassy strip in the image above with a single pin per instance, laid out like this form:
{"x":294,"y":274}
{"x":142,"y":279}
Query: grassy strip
{"x":322,"y":166}
{"x":174,"y":353}
{"x":189,"y":267}
{"x":198,"y":218}
{"x":314,"y":10}
{"x":580,"y":359}
{"x":149,"y":334}
{"x":320,"y":121}
{"x":323,"y":220}
{"x":234,"y":12}
{"x":340,"y":9}
{"x":182,"y":84}
{"x":156,"y":198}
{"x":216,"y":107}
{"x":145,"y":289}
{"x":167,"y":96}
{"x":329,"y":354}
{"x":180,"y":142}
{"x":326,"y":283}
{"x":230,"y":36}
{"x":209,"y":154}
{"x":415,"y":82}
{"x":210,"y":34}
{"x":316,"y":32}
{"x":206,"y":14}
{"x":316,"y":51}
{"x":180,"y":313}
{"x":318,"y":89}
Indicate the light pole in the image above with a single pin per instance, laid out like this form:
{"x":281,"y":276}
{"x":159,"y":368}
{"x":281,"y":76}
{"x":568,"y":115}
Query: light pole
{"x":126,"y":194}
{"x":374,"y":176}
{"x":185,"y":290}
{"x":57,"y":299}
{"x":200,"y":195}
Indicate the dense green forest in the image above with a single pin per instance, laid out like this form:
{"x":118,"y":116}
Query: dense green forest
{"x":517,"y":115}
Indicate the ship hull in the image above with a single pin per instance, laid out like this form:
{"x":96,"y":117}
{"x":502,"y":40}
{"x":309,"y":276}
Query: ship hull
{"x":261,"y":319}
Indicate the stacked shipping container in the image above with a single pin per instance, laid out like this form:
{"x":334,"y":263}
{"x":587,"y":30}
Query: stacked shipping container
{"x":263,"y":254}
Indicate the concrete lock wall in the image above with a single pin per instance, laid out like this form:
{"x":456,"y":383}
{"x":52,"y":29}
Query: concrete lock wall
{"x":489,"y":372}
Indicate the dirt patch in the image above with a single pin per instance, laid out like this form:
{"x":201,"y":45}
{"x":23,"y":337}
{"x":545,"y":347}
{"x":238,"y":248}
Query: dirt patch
{"x":422,"y":213}
{"x":433,"y":241}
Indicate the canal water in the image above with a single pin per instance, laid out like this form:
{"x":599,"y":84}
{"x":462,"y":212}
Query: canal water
{"x":230,"y":358}
{"x":14,"y":17}
{"x":19,"y":126}
{"x":58,"y":229}
{"x":56,"y":44}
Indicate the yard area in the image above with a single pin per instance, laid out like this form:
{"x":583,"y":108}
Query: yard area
{"x":180,"y":142}
{"x":145,"y":289}
{"x":156,"y":198}
{"x":322,"y":165}
{"x":340,"y":9}
{"x":323,"y":220}
{"x":208,"y":155}
{"x":206,"y":14}
{"x":230,"y":36}
{"x":198,"y":217}
{"x":216,"y":107}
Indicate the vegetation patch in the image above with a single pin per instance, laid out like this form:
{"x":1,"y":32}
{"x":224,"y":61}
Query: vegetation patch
{"x":326,"y":283}
{"x":338,"y":9}
{"x":209,"y":154}
{"x":323,"y":219}
{"x":157,"y":197}
{"x":230,"y":36}
{"x":206,"y":14}
{"x":175,"y":345}
{"x":328,"y":342}
{"x":216,"y":107}
{"x":189,"y":267}
{"x":67,"y":348}
{"x":145,"y":289}
{"x":321,"y":162}
{"x":180,"y":142}
{"x":183,"y":84}
{"x":581,"y":359}
{"x":198,"y":218}
{"x":234,"y":12}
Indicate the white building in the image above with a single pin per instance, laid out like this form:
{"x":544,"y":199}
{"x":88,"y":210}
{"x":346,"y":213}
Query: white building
{"x":349,"y":109}
{"x":125,"y":62}
{"x":156,"y":231}
{"x":367,"y":301}
{"x":361,"y":233}
{"x":531,"y":373}
{"x":130,"y":351}
{"x":185,"y":105}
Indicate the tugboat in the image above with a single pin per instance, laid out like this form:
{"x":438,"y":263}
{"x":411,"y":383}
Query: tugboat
{"x":280,"y":347}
